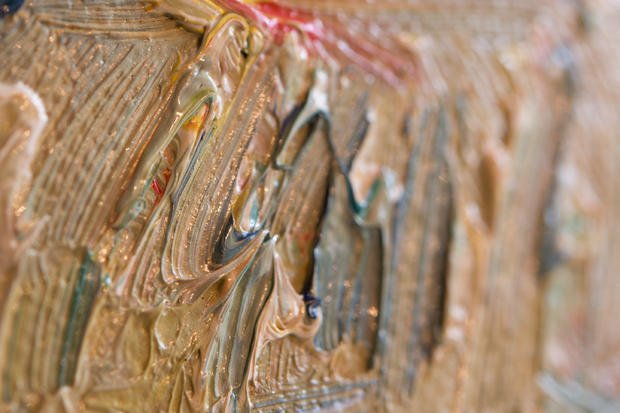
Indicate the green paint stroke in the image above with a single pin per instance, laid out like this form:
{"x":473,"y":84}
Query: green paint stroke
{"x":86,"y":288}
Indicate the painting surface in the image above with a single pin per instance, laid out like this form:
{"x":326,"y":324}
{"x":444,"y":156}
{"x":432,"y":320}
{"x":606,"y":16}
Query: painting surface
{"x":339,"y":206}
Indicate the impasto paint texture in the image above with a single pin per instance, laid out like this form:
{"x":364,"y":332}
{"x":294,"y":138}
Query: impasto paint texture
{"x":309,"y":205}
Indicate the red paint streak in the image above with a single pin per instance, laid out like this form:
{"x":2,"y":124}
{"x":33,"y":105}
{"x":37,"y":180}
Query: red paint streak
{"x":325,"y":39}
{"x":313,"y":27}
{"x":157,"y":189}
{"x":364,"y":53}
